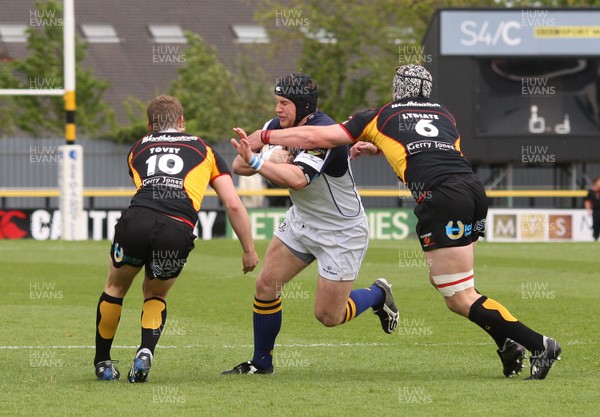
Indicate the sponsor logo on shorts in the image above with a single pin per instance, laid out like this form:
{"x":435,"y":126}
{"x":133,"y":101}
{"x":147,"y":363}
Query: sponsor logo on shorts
{"x":118,"y":253}
{"x":426,"y":240}
{"x":282,"y":226}
{"x":479,"y":226}
{"x":120,"y":257}
{"x":329,"y":270}
{"x":166,"y":263}
{"x":459,"y":231}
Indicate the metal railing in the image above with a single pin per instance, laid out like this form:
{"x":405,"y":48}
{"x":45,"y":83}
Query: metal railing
{"x":364,"y":192}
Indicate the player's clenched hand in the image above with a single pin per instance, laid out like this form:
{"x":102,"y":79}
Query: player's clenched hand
{"x":255,"y":143}
{"x":243,"y":147}
{"x":249,"y":261}
{"x":363,"y":148}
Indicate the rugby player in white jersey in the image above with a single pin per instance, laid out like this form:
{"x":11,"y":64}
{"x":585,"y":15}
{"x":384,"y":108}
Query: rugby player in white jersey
{"x":326,"y":222}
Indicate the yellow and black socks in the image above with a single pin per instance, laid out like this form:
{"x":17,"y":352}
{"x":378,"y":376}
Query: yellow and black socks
{"x":267,"y":323}
{"x":154,"y":317}
{"x":362,"y":299}
{"x":108,"y":314}
{"x":497,"y":321}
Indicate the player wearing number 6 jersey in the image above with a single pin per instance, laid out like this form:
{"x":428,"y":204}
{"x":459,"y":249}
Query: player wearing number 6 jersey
{"x":419,"y":138}
{"x":171,"y":171}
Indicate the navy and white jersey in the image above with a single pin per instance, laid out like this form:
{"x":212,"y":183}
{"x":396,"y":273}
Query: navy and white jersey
{"x":330,"y":200}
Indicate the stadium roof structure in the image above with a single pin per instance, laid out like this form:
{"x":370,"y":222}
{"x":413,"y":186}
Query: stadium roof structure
{"x":137,"y":45}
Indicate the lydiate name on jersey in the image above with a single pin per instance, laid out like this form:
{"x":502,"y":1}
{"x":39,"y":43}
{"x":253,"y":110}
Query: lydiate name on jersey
{"x":410,"y":116}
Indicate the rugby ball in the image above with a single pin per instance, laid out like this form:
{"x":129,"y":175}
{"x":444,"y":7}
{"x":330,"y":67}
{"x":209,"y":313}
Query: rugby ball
{"x":268,"y":150}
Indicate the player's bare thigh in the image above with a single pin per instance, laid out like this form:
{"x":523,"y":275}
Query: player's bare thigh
{"x":157,"y":287}
{"x":331,"y":300}
{"x":119,"y":279}
{"x":280,"y":265}
{"x":449,"y":261}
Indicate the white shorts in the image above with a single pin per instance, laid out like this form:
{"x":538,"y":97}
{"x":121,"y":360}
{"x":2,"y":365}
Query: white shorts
{"x":339,"y":253}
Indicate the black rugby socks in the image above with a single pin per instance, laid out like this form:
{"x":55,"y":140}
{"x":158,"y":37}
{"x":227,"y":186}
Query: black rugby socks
{"x":497,"y":321}
{"x":108,"y":314}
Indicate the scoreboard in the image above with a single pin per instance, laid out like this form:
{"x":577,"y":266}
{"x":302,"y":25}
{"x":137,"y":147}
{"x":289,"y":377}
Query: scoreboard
{"x":538,"y":97}
{"x":519,"y":80}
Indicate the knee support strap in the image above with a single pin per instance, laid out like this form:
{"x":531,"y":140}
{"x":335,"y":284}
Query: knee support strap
{"x":452,"y":283}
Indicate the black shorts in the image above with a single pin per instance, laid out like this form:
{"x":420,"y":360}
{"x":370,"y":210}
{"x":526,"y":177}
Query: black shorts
{"x":453,"y":213}
{"x":144,"y":237}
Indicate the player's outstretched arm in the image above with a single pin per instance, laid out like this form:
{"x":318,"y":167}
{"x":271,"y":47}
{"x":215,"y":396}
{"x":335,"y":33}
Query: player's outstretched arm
{"x":277,"y":155}
{"x":304,"y":137}
{"x":286,"y":175}
{"x":240,"y":167}
{"x":238,"y":216}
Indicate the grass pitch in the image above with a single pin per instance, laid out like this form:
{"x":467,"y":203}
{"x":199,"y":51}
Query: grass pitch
{"x":436,"y":364}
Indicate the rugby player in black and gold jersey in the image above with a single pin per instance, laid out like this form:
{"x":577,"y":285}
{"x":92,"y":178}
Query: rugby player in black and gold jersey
{"x":171,"y":171}
{"x":419,"y":138}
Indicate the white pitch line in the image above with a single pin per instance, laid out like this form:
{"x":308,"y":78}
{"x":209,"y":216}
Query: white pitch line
{"x":202,"y":346}
{"x":297,"y":345}
{"x":71,"y":347}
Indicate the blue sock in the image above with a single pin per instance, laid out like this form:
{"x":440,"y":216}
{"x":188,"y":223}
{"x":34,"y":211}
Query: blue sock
{"x":267,"y":322}
{"x":362,"y":299}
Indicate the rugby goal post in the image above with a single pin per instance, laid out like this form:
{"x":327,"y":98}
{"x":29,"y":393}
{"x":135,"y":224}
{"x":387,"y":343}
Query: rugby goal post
{"x":70,"y":172}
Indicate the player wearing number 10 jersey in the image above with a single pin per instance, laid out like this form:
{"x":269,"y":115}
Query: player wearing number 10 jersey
{"x":171,"y":171}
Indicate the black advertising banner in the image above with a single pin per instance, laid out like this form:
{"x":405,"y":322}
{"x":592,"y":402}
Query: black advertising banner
{"x":44,"y":224}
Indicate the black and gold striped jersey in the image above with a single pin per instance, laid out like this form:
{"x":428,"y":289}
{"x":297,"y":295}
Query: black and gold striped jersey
{"x":171,"y":171}
{"x":418,"y":137}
